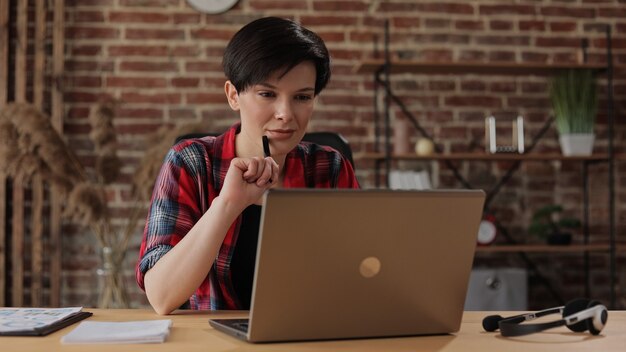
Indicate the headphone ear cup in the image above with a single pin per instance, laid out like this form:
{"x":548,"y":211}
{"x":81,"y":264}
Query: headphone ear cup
{"x":573,"y":307}
{"x":592,"y":328}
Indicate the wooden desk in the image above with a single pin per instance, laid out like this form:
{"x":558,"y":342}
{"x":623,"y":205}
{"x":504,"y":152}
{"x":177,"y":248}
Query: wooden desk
{"x":191,"y":332}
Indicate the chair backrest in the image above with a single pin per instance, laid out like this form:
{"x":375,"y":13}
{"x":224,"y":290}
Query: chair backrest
{"x":331,"y":139}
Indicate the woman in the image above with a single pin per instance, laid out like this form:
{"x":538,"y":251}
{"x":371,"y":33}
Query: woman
{"x":200,"y":237}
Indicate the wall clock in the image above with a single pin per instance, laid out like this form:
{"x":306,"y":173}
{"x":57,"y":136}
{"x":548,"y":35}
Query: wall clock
{"x":212,"y":6}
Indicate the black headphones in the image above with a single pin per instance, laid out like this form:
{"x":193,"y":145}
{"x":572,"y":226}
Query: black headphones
{"x":579,"y":315}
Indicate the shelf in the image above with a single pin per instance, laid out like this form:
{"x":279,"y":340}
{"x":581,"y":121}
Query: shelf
{"x":544,"y":248}
{"x":481,"y":68}
{"x":493,"y":157}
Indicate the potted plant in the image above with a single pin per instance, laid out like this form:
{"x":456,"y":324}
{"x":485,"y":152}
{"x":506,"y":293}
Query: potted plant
{"x":575,"y":102}
{"x":546,"y":227}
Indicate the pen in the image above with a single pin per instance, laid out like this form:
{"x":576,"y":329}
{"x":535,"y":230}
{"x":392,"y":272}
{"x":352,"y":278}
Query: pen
{"x":266,"y":150}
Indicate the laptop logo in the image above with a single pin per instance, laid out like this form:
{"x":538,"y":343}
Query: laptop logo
{"x":369,"y":267}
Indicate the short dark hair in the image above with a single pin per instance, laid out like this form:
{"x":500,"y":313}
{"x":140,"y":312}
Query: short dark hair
{"x":269,"y":44}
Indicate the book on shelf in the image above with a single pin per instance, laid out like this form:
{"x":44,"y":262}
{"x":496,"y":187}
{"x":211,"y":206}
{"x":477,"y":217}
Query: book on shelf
{"x":38,"y":321}
{"x":417,"y":180}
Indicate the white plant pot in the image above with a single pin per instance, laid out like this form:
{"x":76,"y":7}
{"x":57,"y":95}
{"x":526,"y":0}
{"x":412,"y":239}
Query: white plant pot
{"x":576,"y":144}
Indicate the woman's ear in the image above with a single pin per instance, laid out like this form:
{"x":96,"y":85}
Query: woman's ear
{"x":232,"y":95}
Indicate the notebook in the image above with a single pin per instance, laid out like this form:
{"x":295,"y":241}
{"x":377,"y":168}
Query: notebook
{"x":336,"y":264}
{"x":38,"y":321}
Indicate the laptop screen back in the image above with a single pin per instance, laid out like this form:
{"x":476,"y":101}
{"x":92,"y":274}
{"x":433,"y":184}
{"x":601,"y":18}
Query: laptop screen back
{"x":362,"y":263}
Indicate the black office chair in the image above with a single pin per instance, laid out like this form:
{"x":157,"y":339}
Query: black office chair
{"x":331,"y":139}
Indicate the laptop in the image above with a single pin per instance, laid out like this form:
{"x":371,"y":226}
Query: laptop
{"x":339,"y":264}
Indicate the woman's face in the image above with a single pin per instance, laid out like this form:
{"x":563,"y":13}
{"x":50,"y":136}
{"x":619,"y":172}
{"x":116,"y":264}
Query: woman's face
{"x":279,"y":108}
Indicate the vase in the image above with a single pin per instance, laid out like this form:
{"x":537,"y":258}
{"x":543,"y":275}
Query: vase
{"x":112,"y":288}
{"x":576,"y":144}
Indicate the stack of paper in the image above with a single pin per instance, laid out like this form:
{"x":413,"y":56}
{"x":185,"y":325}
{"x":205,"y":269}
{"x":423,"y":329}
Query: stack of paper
{"x":148,"y":331}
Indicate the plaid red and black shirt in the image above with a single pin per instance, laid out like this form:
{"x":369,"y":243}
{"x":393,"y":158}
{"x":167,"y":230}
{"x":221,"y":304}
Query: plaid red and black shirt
{"x":192,"y":176}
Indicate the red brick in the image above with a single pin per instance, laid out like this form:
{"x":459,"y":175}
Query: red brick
{"x":501,"y":55}
{"x":86,"y":81}
{"x":472,"y":55}
{"x":81,"y":3}
{"x":437,"y":55}
{"x":78,"y":113}
{"x":88,"y":16}
{"x":148,"y":66}
{"x":206,"y":33}
{"x":469,"y":25}
{"x":76,"y":65}
{"x":138,"y":17}
{"x":619,"y":12}
{"x":324,"y":20}
{"x":534,"y":87}
{"x":406,"y":22}
{"x":525,"y":102}
{"x":155,"y":98}
{"x":617,"y":43}
{"x":558,"y":42}
{"x":503,"y":40}
{"x":501,"y":25}
{"x":441,"y":85}
{"x":503,"y":87}
{"x":277,"y":5}
{"x":332,"y":36}
{"x":473,"y":101}
{"x":473,"y":85}
{"x":567,"y":57}
{"x":149,"y":3}
{"x":141,"y":34}
{"x":204,"y":98}
{"x":563,"y":26}
{"x":452,"y":132}
{"x":81,"y":96}
{"x":138,"y":50}
{"x":346,"y":54}
{"x":136,"y":82}
{"x":203,"y":66}
{"x":506,"y":10}
{"x":183,"y":82}
{"x":182,"y":113}
{"x":137,"y":128}
{"x":345,"y":100}
{"x":75,"y":32}
{"x":444,"y":8}
{"x":141,"y":113}
{"x":184,"y":18}
{"x":532,"y":25}
{"x":86,"y":50}
{"x":562,"y":11}
{"x":435,"y":23}
{"x":534,"y":57}
{"x":336,"y":6}
{"x":364,"y":37}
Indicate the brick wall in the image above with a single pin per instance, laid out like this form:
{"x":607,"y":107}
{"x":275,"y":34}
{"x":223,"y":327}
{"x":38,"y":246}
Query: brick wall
{"x":161,"y":60}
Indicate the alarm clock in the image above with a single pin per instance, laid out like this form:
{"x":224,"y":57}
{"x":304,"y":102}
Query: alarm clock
{"x":212,"y":6}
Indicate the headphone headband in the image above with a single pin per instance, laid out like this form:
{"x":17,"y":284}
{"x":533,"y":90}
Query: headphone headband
{"x":583,"y":315}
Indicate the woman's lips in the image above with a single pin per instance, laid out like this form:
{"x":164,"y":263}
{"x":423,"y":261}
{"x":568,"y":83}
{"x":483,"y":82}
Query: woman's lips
{"x":280,"y":134}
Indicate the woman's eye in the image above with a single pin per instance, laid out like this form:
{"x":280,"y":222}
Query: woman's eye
{"x":267,"y":94}
{"x":303,"y":97}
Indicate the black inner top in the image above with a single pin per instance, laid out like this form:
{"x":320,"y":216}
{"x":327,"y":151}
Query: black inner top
{"x":244,"y":256}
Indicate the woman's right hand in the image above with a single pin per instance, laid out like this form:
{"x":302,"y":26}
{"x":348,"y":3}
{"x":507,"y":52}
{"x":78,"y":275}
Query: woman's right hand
{"x":247,"y":179}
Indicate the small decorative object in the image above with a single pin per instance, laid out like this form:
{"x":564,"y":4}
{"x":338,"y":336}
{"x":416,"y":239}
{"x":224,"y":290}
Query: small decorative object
{"x":575,"y":102}
{"x":517,"y":137}
{"x":424,"y":147}
{"x":212,"y":6}
{"x":401,"y":136}
{"x":546,"y":227}
{"x":30,"y":145}
{"x":487,"y":230}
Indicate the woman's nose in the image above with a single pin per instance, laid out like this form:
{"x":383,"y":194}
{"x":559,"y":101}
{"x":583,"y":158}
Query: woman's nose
{"x":284,"y":110}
